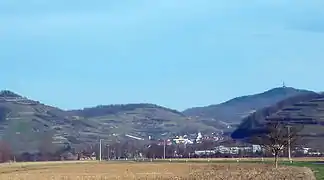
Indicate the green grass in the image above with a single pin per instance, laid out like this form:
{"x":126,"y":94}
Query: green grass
{"x":318,"y":169}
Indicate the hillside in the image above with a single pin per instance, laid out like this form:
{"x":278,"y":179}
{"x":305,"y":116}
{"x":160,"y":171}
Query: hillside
{"x":138,"y":119}
{"x":27,"y":124}
{"x":234,"y":110}
{"x":306,"y":109}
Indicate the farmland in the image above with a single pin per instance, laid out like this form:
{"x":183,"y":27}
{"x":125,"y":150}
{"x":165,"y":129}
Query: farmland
{"x":149,"y":170}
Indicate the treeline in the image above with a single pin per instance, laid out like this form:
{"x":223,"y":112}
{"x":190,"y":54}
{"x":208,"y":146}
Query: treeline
{"x":6,"y":93}
{"x":117,"y":150}
{"x":102,"y":110}
{"x":128,"y":150}
{"x":7,"y":153}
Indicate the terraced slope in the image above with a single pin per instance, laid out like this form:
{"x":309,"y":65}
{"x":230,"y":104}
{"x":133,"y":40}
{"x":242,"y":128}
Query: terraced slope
{"x":139,"y":119}
{"x":306,"y":109}
{"x":26,"y":124}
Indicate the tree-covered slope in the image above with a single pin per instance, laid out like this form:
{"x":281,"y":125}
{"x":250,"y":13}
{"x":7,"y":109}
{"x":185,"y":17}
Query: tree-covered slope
{"x":234,"y":110}
{"x":306,"y":109}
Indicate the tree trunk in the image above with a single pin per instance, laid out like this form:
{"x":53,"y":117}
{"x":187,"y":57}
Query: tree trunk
{"x":276,"y":156}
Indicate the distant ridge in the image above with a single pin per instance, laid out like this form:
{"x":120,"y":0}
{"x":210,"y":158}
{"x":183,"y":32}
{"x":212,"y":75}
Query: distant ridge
{"x":10,"y":94}
{"x":237,"y":108}
{"x":306,"y":109}
{"x":113,"y":108}
{"x":85,"y":126}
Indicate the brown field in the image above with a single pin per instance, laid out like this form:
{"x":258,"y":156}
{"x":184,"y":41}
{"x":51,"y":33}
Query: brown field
{"x":154,"y":170}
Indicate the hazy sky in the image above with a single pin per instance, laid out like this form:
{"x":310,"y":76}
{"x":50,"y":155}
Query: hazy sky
{"x":176,"y":53}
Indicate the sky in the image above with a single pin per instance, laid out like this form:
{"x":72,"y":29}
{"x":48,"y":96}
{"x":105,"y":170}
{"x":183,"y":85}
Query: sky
{"x":175,"y":53}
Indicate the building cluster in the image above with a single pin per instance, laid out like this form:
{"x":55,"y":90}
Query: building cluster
{"x":229,"y":150}
{"x":253,"y":149}
{"x":190,"y":139}
{"x":307,"y":151}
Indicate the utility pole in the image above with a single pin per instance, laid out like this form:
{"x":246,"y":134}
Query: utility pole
{"x":164,"y":147}
{"x":100,"y":149}
{"x":289,"y":150}
{"x":108,"y":152}
{"x":288,"y":126}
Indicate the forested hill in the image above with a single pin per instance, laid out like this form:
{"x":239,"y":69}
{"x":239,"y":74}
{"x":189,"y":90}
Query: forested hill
{"x":305,"y":109}
{"x":234,"y":110}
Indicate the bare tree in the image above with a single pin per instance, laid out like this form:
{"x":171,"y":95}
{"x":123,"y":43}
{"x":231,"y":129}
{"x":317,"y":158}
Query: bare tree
{"x":276,"y":137}
{"x":89,"y":150}
{"x":5,"y":152}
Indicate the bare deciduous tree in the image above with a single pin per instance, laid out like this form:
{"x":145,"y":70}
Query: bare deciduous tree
{"x":276,"y":137}
{"x":5,"y":152}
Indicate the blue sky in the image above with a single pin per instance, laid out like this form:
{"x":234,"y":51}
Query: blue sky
{"x":175,"y":53}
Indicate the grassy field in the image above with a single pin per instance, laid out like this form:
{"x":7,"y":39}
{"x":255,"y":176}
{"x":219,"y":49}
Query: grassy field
{"x":318,"y":169}
{"x":314,"y":163}
{"x":301,"y":159}
{"x":149,"y":170}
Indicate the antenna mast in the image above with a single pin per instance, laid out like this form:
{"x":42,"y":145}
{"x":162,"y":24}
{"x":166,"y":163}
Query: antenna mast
{"x":283,"y":84}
